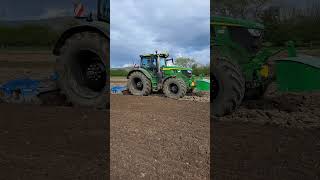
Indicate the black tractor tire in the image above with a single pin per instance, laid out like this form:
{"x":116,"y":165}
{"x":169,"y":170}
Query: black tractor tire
{"x":139,"y":84}
{"x":180,"y":88}
{"x":81,"y":53}
{"x":230,"y":87}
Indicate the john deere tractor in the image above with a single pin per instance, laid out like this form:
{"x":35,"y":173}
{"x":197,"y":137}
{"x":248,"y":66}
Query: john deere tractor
{"x":155,"y":74}
{"x":240,"y":62}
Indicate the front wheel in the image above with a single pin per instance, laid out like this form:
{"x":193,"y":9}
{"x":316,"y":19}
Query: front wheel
{"x":139,"y":84}
{"x":174,"y":88}
{"x":228,"y":87}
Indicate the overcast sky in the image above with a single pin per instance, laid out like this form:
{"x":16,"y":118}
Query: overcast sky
{"x":176,"y":26}
{"x":40,"y":9}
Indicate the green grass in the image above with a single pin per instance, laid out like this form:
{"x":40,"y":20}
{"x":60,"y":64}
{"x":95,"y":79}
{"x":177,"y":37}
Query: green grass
{"x":118,"y":73}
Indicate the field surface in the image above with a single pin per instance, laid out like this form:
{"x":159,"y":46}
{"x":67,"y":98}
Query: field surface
{"x":151,"y":137}
{"x":155,"y":137}
{"x":275,"y":137}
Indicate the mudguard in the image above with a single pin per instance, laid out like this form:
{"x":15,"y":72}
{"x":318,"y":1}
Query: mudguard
{"x":145,"y":72}
{"x":95,"y":26}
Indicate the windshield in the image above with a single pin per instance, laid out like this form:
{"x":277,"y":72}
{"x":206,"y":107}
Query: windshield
{"x":147,"y":62}
{"x":104,"y":10}
{"x":163,"y":62}
{"x":250,"y":39}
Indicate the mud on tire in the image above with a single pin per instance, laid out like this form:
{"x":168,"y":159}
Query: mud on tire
{"x":82,"y":70}
{"x":230,"y":87}
{"x":139,"y":84}
{"x":174,"y":88}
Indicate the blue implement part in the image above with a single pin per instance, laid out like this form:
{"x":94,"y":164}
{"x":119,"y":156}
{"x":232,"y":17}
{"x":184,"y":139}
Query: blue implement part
{"x":27,"y":87}
{"x":118,"y":89}
{"x":26,"y":90}
{"x":20,"y":91}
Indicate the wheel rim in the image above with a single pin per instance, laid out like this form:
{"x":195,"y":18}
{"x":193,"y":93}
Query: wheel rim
{"x":95,"y":76}
{"x":174,"y":88}
{"x":215,"y":87}
{"x":88,"y":73}
{"x":138,"y":84}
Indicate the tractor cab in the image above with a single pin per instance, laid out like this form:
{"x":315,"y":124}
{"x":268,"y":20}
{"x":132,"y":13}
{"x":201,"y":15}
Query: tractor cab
{"x":246,"y":36}
{"x":154,"y":61}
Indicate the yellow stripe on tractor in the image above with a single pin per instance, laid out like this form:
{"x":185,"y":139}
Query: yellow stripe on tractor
{"x":168,"y":69}
{"x":226,"y":24}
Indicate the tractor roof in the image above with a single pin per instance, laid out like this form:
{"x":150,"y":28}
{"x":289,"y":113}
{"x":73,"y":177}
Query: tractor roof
{"x":227,"y":21}
{"x":164,"y":55}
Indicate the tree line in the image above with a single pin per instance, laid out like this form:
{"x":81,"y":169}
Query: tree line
{"x":197,"y":69}
{"x":300,"y":24}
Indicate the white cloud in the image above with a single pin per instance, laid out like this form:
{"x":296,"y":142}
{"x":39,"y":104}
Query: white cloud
{"x":178,"y":27}
{"x":127,"y":65}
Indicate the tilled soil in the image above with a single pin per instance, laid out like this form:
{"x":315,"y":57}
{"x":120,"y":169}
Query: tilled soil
{"x":52,"y":143}
{"x":48,"y":142}
{"x":276,"y":137}
{"x":22,"y":64}
{"x":156,"y":138}
{"x":291,"y":110}
{"x":159,"y":138}
{"x":262,"y":152}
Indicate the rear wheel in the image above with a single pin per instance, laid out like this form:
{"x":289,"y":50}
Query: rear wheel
{"x":228,"y":87}
{"x":174,"y":88}
{"x":82,"y":71}
{"x":139,"y":84}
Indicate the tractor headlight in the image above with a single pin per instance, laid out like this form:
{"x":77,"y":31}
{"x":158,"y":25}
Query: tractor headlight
{"x":255,"y":32}
{"x":189,"y":71}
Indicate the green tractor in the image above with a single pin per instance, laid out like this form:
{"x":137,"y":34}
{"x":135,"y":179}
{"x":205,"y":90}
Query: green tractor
{"x":155,"y":74}
{"x":240,"y":62}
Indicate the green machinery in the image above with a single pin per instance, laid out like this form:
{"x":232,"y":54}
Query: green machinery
{"x":155,"y":74}
{"x":241,"y":69}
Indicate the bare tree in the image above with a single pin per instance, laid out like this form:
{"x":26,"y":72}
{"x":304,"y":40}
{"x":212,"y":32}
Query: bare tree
{"x":240,"y":8}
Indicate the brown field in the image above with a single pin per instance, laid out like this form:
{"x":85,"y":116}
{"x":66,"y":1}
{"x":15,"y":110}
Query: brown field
{"x":143,"y":143}
{"x":276,"y":137}
{"x":154,"y":137}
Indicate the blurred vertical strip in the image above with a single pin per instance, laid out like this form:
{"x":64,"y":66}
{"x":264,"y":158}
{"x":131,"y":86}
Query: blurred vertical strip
{"x":211,"y":91}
